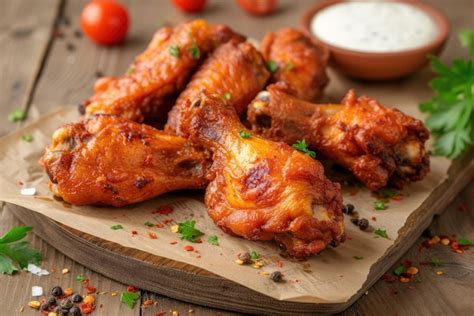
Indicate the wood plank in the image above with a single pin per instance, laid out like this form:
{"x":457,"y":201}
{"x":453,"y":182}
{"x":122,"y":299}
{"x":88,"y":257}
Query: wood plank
{"x":24,"y":43}
{"x":15,"y":291}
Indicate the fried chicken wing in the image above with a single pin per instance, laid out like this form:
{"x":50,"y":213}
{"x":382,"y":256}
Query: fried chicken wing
{"x":235,"y":71}
{"x":154,"y":80}
{"x":106,"y":160}
{"x":263,"y":190}
{"x":301,"y":62}
{"x":379,"y":145}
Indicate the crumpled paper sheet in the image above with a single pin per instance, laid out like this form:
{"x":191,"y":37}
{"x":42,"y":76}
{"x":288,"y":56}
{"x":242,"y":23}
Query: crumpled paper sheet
{"x":334,"y":276}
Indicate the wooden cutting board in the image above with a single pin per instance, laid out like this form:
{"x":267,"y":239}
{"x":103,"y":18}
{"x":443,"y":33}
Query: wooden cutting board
{"x":191,"y":284}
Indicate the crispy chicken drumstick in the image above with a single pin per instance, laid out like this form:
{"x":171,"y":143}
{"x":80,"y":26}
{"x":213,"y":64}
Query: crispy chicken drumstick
{"x":152,"y":83}
{"x":263,"y":190}
{"x":301,"y":62}
{"x":379,"y":145}
{"x":235,"y":71}
{"x":107,"y":160}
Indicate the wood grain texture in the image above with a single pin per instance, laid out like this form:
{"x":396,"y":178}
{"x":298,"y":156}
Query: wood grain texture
{"x":24,"y":43}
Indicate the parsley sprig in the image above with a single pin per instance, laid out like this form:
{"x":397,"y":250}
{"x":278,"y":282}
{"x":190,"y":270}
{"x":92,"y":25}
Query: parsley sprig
{"x":16,"y":254}
{"x":130,"y":298}
{"x":302,"y":146}
{"x":188,"y":231}
{"x":451,"y":115}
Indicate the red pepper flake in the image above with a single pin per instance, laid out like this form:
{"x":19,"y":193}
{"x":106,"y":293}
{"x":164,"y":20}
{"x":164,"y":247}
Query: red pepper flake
{"x":173,"y":243}
{"x":389,"y":278}
{"x":161,"y":314}
{"x":167,"y":221}
{"x":152,"y":235}
{"x":188,"y":248}
{"x":164,"y":210}
{"x":159,"y":225}
{"x":90,"y":289}
{"x":134,"y":232}
{"x":348,"y":237}
{"x":407,"y":263}
{"x":279,"y":263}
{"x":398,"y":197}
{"x":148,"y":302}
{"x":374,"y":218}
{"x":199,"y":257}
{"x":87,"y":309}
{"x":85,"y":281}
{"x":132,"y":288}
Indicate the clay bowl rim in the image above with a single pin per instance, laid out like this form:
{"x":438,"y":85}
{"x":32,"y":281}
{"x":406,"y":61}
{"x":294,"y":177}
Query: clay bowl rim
{"x":438,"y":17}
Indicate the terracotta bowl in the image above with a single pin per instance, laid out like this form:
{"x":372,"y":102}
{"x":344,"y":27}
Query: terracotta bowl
{"x":381,"y":66}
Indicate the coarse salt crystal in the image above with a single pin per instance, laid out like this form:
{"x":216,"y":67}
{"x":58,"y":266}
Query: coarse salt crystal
{"x":28,"y":191}
{"x":36,"y":270}
{"x":36,"y":291}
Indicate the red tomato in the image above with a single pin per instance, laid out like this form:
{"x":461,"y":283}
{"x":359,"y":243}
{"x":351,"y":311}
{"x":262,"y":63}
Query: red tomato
{"x":190,"y":5}
{"x":258,"y":7}
{"x":105,"y":21}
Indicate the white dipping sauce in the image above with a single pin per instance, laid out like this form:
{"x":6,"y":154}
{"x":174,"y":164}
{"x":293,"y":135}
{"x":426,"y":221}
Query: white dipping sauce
{"x":374,"y":26}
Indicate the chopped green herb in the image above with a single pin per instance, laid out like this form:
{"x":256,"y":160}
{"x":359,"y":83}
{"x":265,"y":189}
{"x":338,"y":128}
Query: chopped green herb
{"x":130,"y":70}
{"x":380,"y":205}
{"x":302,"y":146}
{"x":14,"y":253}
{"x":116,"y":227}
{"x":465,"y":242}
{"x":436,"y":262}
{"x":254,"y":255}
{"x":381,"y":233}
{"x":174,"y":51}
{"x":17,"y":116}
{"x":467,"y":40}
{"x":388,"y":193}
{"x":358,"y":257}
{"x":227,"y":96}
{"x":194,"y":51}
{"x":244,"y":134}
{"x":272,"y":66}
{"x":399,"y":270}
{"x":451,"y":118}
{"x":27,"y":138}
{"x":188,"y":231}
{"x":149,"y":224}
{"x":130,"y":298}
{"x":290,"y":66}
{"x":213,"y":240}
{"x":79,"y":278}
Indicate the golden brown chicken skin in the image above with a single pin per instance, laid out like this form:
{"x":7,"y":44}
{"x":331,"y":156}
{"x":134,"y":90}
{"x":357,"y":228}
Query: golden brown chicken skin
{"x":264,"y":190}
{"x":381,"y":146}
{"x":234,"y":71}
{"x":107,"y":160}
{"x":301,"y":62}
{"x":154,"y":80}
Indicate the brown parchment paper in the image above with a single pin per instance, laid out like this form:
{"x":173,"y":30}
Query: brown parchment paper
{"x":334,"y":275}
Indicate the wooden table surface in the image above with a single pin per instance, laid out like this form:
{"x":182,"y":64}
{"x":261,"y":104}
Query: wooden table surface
{"x":45,"y":63}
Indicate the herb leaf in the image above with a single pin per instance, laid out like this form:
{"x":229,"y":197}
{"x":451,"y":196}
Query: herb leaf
{"x":399,"y":270}
{"x":130,"y":298}
{"x":188,"y":231}
{"x":436,"y":262}
{"x":227,"y":96}
{"x":213,"y":240}
{"x":14,"y":253}
{"x":302,"y":146}
{"x":451,"y":118}
{"x":465,"y":242}
{"x":358,"y":257}
{"x":387,"y":193}
{"x":272,"y":66}
{"x":380,"y":205}
{"x":149,"y":224}
{"x":79,"y":278}
{"x":174,"y":51}
{"x":27,"y":138}
{"x":17,"y":116}
{"x":116,"y":227}
{"x":244,"y":134}
{"x":254,"y":255}
{"x":466,"y":37}
{"x":381,"y":233}
{"x":194,"y":51}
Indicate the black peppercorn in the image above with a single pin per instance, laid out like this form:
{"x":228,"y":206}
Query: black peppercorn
{"x":75,"y":311}
{"x":427,"y":233}
{"x":348,"y":209}
{"x":245,"y":257}
{"x":334,"y":243}
{"x":51,"y":301}
{"x":76,"y":298}
{"x":363,"y":224}
{"x":67,"y":304}
{"x":44,"y":307}
{"x":56,"y":291}
{"x":276,"y":276}
{"x":355,"y":221}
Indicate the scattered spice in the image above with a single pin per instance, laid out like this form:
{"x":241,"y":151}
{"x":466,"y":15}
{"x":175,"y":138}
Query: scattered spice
{"x":79,"y":278}
{"x":254,"y":255}
{"x":116,"y":227}
{"x":436,"y":262}
{"x":34,"y":304}
{"x":380,"y":205}
{"x":387,"y":193}
{"x":348,"y":209}
{"x":174,"y":51}
{"x":17,"y":116}
{"x":188,"y":231}
{"x":134,"y":232}
{"x":152,"y":235}
{"x":227,"y":96}
{"x":164,"y":210}
{"x":363,"y":223}
{"x":465,"y":242}
{"x":68,"y":291}
{"x":245,"y":258}
{"x":244,"y":134}
{"x":130,"y":298}
{"x":272,"y":66}
{"x":188,"y":248}
{"x":194,"y":51}
{"x":27,"y":138}
{"x":149,"y":224}
{"x":358,"y":257}
{"x":65,"y":271}
{"x":276,"y":276}
{"x":302,"y":146}
{"x":213,"y":240}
